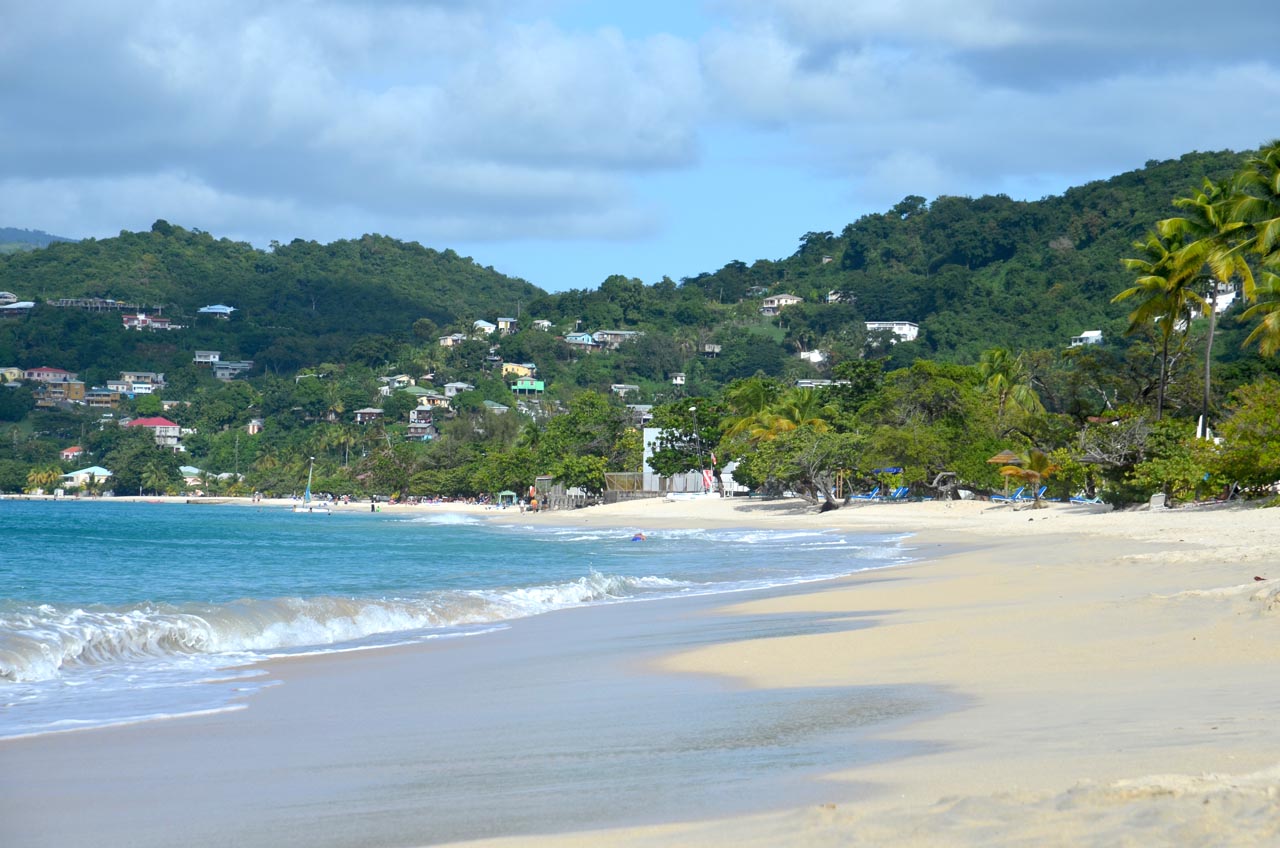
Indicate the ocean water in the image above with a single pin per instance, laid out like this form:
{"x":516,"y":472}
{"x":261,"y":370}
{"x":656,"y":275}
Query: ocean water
{"x":115,"y":613}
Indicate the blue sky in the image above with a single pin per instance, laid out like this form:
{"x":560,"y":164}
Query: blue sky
{"x":564,"y":140}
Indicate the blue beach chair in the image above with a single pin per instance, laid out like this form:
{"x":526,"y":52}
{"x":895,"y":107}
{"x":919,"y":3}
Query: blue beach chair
{"x":1014,"y":498}
{"x":869,"y":496}
{"x":898,"y":494}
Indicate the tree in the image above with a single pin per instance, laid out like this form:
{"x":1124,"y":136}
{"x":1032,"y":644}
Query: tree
{"x":43,"y":479}
{"x":805,"y":460}
{"x":1266,"y":310}
{"x":1034,"y":468}
{"x":1009,"y":380}
{"x":1251,"y":435}
{"x":156,"y":477}
{"x":1211,"y":239}
{"x":1165,"y":296}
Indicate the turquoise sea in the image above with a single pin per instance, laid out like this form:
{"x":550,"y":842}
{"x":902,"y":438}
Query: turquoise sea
{"x":125,"y":612}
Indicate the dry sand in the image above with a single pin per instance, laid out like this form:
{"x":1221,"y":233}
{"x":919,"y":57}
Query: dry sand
{"x":1120,"y":673}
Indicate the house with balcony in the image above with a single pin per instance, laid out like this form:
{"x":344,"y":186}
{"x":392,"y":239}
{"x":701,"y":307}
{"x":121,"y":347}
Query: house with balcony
{"x":903,"y":331}
{"x":518,"y":369}
{"x":774,"y":304}
{"x":451,"y":340}
{"x":207,"y":357}
{"x":226,"y":371}
{"x":143,"y":321}
{"x":456,"y":388}
{"x":585,"y":341}
{"x":677,"y":379}
{"x":1088,"y":337}
{"x":368,"y":415}
{"x":167,"y":434}
{"x":507,"y":326}
{"x":71,"y":453}
{"x":528,"y":386}
{"x":63,"y":391}
{"x":80,"y":479}
{"x":100,"y":398}
{"x":624,"y":389}
{"x":10,"y":374}
{"x":612,"y":339}
{"x":46,"y":374}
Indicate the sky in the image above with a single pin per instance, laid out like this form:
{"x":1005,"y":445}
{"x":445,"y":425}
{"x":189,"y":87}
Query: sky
{"x":562,"y":141}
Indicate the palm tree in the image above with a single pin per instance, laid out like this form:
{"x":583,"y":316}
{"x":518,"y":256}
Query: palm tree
{"x":155,"y":477}
{"x":749,"y":401}
{"x":1009,"y":380}
{"x":1255,"y":202}
{"x":1267,"y":310}
{"x":1166,"y":297}
{"x":1034,"y":468}
{"x":1210,"y":239}
{"x":43,"y":479}
{"x":801,"y":408}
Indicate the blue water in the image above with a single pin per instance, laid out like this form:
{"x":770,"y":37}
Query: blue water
{"x":123,"y":612}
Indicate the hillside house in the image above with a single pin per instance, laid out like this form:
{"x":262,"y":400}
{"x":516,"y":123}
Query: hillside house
{"x":585,"y":341}
{"x":711,"y":351}
{"x":774,"y":304}
{"x":612,"y":339}
{"x":496,"y":408}
{"x":507,"y":326}
{"x":624,"y":389}
{"x":519,"y":369}
{"x":18,"y":309}
{"x":542,"y":324}
{"x":482,"y":328}
{"x":143,"y":321}
{"x":64,"y":391}
{"x":451,"y":340}
{"x":7,"y":298}
{"x":167,"y":434}
{"x":903,"y":331}
{"x":677,"y":379}
{"x":143,"y":382}
{"x":456,"y":388}
{"x":100,"y":398}
{"x":368,"y":415}
{"x":74,"y":452}
{"x":230,"y":370}
{"x":217,"y":310}
{"x":813,"y":357}
{"x":528,"y":386}
{"x":10,"y":374}
{"x":206,"y":357}
{"x":1088,"y":337}
{"x":46,"y":374}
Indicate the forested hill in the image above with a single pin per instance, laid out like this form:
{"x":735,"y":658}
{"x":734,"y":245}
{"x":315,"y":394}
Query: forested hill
{"x":310,"y":301}
{"x":980,"y":272}
{"x":12,"y":239}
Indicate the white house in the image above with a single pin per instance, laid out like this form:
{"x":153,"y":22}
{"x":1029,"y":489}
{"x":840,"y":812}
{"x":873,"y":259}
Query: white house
{"x":81,"y":477}
{"x":483,"y":328}
{"x":815,"y":357}
{"x":217,"y":310}
{"x":774,"y":304}
{"x":454,"y":389}
{"x":903,"y":331}
{"x":1088,"y":337}
{"x":613,"y":338}
{"x":167,"y":434}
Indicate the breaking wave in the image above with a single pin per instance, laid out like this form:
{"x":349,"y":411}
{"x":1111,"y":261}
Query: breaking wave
{"x":38,"y":642}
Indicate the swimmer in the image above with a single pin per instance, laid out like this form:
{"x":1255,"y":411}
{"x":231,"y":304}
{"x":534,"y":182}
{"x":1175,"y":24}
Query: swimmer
{"x":639,"y":537}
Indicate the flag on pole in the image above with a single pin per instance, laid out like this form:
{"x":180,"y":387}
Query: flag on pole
{"x":707,"y":479}
{"x":713,"y":459}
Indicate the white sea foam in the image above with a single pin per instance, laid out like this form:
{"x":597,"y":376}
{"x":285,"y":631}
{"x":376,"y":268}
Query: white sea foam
{"x":38,"y":644}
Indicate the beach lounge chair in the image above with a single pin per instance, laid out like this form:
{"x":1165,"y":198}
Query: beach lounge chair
{"x":869,"y":496}
{"x":1081,"y":499}
{"x":1037,"y":496}
{"x":1014,"y":498}
{"x":898,"y":494}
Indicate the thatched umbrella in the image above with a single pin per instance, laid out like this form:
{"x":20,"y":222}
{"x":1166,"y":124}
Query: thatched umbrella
{"x":1006,"y":457}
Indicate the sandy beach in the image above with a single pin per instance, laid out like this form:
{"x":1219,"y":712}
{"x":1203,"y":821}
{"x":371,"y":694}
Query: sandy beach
{"x":1118,"y":670}
{"x":1110,"y":678}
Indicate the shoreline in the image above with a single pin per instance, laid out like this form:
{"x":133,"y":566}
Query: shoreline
{"x":1115,"y":676}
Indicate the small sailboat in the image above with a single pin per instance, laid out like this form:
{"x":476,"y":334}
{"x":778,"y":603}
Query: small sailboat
{"x":307,"y":505}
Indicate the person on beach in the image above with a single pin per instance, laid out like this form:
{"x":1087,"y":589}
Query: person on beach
{"x":639,"y":537}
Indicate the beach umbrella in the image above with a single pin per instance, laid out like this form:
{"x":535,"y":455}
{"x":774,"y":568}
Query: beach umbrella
{"x":1007,"y":457}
